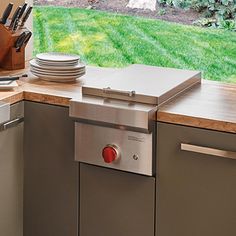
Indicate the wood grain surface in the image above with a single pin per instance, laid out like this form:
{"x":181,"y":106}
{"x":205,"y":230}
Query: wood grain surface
{"x":211,"y":105}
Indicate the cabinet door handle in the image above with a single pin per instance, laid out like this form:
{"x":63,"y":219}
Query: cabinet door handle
{"x":12,"y":123}
{"x":209,"y":151}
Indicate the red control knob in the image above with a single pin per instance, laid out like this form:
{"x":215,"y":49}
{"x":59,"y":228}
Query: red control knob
{"x":110,"y":153}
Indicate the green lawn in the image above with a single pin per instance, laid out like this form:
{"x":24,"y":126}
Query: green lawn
{"x":113,"y":40}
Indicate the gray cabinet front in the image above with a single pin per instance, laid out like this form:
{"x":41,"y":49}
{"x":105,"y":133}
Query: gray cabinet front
{"x":11,"y":174}
{"x":196,"y":191}
{"x":50,"y":173}
{"x":115,"y":203}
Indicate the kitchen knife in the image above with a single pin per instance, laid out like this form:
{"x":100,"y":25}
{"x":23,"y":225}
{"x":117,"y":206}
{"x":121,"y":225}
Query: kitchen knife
{"x":6,"y":13}
{"x":15,"y":16}
{"x":12,"y":78}
{"x":20,"y":41}
{"x":26,"y":16}
{"x":15,"y":25}
{"x":22,"y":10}
{"x":27,"y":37}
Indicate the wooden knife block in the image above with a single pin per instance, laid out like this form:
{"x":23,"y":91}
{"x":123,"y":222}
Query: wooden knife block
{"x":10,"y":58}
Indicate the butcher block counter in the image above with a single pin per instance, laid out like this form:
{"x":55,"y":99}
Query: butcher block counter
{"x":210,"y":105}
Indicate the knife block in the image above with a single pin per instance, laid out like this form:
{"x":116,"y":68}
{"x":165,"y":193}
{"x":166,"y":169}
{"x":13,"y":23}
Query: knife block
{"x":10,"y":58}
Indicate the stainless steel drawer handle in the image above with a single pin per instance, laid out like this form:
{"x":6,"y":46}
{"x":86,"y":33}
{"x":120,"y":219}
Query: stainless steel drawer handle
{"x":108,"y":90}
{"x":12,"y":123}
{"x":208,"y":151}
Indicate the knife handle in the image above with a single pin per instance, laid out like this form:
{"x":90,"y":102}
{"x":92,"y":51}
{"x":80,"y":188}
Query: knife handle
{"x":15,"y":25}
{"x":22,"y":10}
{"x":15,"y":16}
{"x":6,"y":13}
{"x":12,"y":78}
{"x":27,"y":37}
{"x":9,"y":78}
{"x":20,"y":41}
{"x":26,"y":16}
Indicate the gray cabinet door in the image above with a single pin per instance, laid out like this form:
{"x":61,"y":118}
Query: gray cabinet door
{"x":11,"y":177}
{"x":196,"y":192}
{"x":50,"y":173}
{"x":115,"y":203}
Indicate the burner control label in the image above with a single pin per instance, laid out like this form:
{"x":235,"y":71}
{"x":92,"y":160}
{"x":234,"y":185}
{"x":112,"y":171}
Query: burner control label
{"x":136,"y":139}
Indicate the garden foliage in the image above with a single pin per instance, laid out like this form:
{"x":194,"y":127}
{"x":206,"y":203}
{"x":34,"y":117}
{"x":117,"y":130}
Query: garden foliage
{"x":216,"y":13}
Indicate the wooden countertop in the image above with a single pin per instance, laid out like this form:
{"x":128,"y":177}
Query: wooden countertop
{"x":34,"y":89}
{"x":211,"y":105}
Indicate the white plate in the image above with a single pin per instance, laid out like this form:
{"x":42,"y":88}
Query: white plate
{"x":57,"y":73}
{"x":80,"y":65}
{"x":58,"y":81}
{"x":57,"y":57}
{"x":56,"y":78}
{"x":8,"y":85}
{"x":57,"y":64}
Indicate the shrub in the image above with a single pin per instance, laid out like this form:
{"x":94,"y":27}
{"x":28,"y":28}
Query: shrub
{"x":228,"y":24}
{"x":224,"y":8}
{"x":176,"y":3}
{"x":161,"y":12}
{"x":217,"y":13}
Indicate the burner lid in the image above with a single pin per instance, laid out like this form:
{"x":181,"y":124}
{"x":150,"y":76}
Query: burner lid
{"x":142,"y":83}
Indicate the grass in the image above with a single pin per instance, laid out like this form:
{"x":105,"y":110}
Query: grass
{"x":113,"y":40}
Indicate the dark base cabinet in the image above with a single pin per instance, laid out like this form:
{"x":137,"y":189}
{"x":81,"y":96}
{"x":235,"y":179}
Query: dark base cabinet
{"x":11,"y":173}
{"x":50,"y":172}
{"x":115,"y":203}
{"x":196,"y":192}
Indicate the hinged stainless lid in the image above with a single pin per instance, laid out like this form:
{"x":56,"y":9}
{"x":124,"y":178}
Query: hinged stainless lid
{"x":144,"y":84}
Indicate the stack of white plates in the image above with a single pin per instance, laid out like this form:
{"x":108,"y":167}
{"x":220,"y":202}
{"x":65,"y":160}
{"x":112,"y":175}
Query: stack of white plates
{"x":57,"y":67}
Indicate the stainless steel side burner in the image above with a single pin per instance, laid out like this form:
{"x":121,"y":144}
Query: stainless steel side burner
{"x":115,"y":119}
{"x":114,"y":134}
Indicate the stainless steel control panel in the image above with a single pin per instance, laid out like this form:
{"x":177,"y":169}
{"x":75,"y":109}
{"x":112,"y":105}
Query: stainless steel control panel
{"x":129,"y":151}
